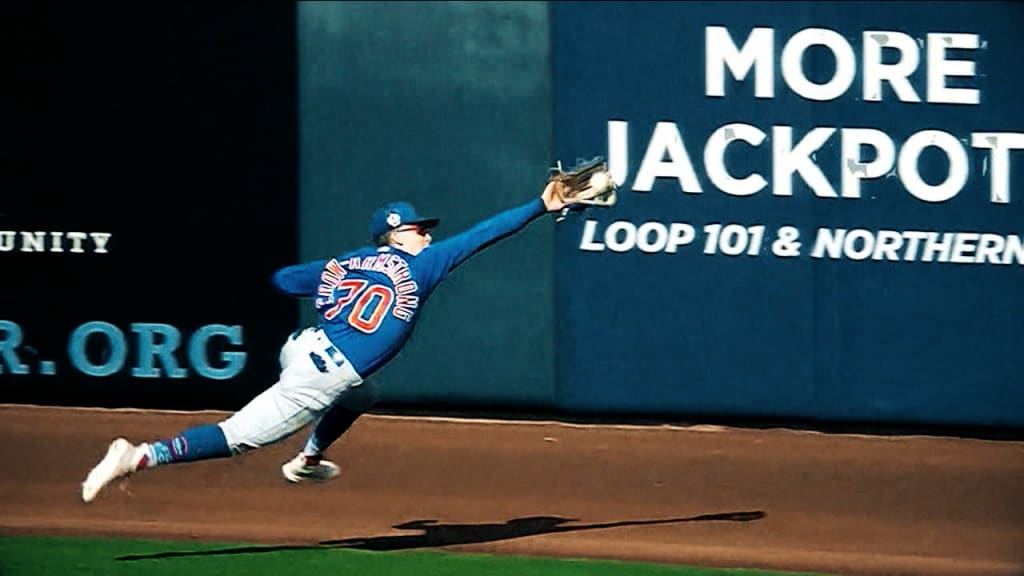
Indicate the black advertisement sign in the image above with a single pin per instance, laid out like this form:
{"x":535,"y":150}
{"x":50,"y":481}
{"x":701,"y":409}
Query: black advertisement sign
{"x":148,"y":193}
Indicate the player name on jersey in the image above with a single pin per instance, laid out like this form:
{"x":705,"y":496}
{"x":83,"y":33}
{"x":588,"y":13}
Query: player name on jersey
{"x":335,"y":291}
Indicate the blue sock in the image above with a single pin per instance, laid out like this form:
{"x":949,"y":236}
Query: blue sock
{"x":331,"y":426}
{"x":199,"y":443}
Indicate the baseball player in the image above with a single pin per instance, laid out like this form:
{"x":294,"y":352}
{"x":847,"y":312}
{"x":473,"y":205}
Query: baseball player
{"x":367,"y":302}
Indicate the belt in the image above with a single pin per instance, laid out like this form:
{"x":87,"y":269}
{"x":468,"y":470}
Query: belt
{"x":334,"y":355}
{"x":325,"y":352}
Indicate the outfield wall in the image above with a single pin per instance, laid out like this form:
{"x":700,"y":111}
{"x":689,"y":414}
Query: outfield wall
{"x":819,"y":211}
{"x":446,"y":105}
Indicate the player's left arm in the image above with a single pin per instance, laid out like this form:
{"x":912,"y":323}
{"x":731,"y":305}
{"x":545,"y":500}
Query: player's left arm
{"x":299,"y":280}
{"x":456,"y":249}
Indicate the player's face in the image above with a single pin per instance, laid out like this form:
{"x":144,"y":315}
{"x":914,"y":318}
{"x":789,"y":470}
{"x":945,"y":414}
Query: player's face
{"x":412,"y":239}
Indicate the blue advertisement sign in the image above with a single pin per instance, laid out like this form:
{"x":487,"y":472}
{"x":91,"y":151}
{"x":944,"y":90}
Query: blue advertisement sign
{"x":820,"y":209}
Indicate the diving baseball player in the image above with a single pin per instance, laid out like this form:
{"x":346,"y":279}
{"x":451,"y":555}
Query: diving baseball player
{"x":367,"y":302}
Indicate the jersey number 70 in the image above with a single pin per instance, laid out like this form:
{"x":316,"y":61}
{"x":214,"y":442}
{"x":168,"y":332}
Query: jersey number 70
{"x":369,"y":304}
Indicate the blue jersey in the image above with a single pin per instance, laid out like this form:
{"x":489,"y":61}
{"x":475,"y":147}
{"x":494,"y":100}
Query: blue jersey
{"x":368,"y":300}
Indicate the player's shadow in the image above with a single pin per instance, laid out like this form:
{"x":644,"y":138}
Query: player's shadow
{"x":434,"y":535}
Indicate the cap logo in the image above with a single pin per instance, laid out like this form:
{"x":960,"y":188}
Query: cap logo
{"x":394,"y":219}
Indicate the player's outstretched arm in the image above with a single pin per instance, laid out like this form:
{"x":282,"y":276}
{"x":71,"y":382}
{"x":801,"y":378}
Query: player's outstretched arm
{"x":457,"y":249}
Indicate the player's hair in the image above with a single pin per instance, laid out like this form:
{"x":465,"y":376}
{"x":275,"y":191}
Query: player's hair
{"x":384,"y":239}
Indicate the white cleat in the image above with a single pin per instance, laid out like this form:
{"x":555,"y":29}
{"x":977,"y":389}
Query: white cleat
{"x":302,"y":468}
{"x":118,"y":462}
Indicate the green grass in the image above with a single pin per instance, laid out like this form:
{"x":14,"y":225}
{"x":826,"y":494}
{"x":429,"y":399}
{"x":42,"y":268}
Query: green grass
{"x":37,"y":556}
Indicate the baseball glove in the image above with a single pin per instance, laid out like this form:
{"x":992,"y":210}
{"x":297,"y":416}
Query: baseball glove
{"x":587,"y":184}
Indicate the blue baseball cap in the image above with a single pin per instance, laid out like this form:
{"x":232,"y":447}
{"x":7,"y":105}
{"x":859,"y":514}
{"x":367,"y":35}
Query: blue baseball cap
{"x":391,"y":216}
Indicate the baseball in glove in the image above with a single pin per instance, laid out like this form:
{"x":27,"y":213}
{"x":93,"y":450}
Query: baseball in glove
{"x":587,"y":184}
